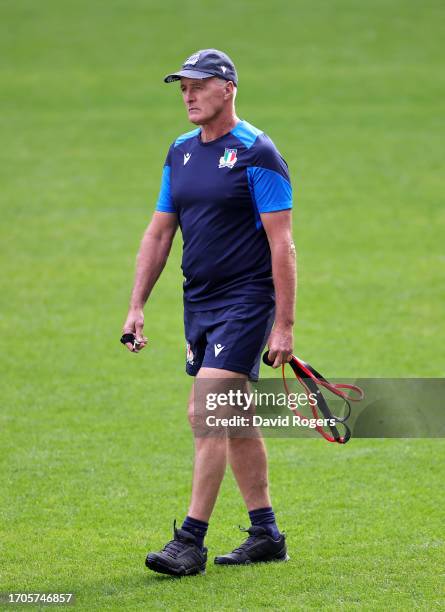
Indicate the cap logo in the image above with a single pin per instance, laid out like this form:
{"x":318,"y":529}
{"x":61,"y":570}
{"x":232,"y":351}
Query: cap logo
{"x":192,"y":60}
{"x":224,"y":69}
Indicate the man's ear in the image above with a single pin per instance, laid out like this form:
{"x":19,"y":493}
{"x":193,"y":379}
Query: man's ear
{"x":229,"y":89}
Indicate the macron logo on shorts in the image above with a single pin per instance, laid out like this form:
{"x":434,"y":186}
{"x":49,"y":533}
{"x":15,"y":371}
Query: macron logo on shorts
{"x":218,"y":349}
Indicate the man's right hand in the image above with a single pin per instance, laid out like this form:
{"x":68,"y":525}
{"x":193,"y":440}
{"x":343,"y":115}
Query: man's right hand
{"x":135,"y":325}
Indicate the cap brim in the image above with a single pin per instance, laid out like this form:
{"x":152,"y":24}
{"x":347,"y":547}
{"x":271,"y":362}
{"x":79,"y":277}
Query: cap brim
{"x":190,"y":74}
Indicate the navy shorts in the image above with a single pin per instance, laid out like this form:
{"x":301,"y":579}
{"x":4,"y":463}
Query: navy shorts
{"x":229,"y":338}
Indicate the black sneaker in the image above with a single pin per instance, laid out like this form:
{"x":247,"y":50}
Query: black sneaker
{"x":180,"y":557}
{"x":258,"y":547}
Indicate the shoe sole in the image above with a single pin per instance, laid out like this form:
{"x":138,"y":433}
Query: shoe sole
{"x":157,"y":566}
{"x":277,"y":559}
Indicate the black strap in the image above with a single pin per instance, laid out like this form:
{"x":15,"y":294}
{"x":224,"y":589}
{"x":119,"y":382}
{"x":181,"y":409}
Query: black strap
{"x":322,"y":404}
{"x":128,"y":339}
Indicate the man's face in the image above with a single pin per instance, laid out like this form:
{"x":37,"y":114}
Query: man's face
{"x":204,"y":99}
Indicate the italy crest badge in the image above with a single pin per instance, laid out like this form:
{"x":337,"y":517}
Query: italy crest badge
{"x":228,"y":160}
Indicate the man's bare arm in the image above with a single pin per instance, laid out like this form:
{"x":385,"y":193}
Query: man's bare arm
{"x":278,"y":227}
{"x":153,"y":253}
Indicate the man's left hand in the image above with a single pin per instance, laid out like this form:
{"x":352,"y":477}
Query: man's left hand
{"x":281,"y":343}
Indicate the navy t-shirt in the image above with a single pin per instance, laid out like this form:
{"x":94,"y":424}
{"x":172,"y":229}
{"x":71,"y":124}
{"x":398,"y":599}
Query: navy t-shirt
{"x":218,"y":190}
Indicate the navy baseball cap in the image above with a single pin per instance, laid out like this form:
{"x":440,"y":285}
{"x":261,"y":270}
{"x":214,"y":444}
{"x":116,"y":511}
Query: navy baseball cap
{"x":204,"y":64}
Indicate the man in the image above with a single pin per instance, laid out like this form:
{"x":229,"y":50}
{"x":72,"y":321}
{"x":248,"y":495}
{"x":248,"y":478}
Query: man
{"x":228,"y":188}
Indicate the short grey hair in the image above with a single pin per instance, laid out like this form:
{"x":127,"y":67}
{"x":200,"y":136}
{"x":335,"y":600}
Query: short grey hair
{"x":235,"y":87}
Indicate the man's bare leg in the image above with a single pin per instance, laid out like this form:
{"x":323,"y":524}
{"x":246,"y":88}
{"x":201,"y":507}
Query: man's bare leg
{"x":210,"y":453}
{"x":248,"y":460}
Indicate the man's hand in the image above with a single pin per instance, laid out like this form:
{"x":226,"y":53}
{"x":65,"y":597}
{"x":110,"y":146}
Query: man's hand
{"x":281,"y":342}
{"x":135,"y":325}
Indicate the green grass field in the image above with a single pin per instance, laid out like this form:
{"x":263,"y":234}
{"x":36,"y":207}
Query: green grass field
{"x":95,"y":447}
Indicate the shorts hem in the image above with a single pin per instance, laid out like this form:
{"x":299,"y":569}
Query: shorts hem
{"x":192,"y":371}
{"x":232,"y":367}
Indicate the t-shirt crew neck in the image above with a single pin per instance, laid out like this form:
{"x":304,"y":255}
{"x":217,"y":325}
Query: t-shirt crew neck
{"x":215,"y":140}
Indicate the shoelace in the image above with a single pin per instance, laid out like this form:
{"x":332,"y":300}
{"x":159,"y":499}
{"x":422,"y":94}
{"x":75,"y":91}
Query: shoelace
{"x":247,"y":542}
{"x":173,"y":548}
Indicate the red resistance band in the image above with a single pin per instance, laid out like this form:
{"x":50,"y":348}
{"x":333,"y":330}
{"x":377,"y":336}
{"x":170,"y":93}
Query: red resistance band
{"x":310,"y":380}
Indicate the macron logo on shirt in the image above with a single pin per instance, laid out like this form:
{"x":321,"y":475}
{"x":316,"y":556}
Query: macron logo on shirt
{"x":186,"y":157}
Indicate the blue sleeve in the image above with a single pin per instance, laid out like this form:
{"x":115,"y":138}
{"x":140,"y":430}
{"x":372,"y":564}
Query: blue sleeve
{"x":269,"y":189}
{"x":165,"y":202}
{"x":268,"y":178}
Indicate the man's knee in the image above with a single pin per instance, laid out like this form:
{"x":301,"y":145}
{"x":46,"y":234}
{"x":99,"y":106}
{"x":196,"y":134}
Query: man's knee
{"x":211,"y":383}
{"x":197,"y":414}
{"x":191,"y":408}
{"x":191,"y":412}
